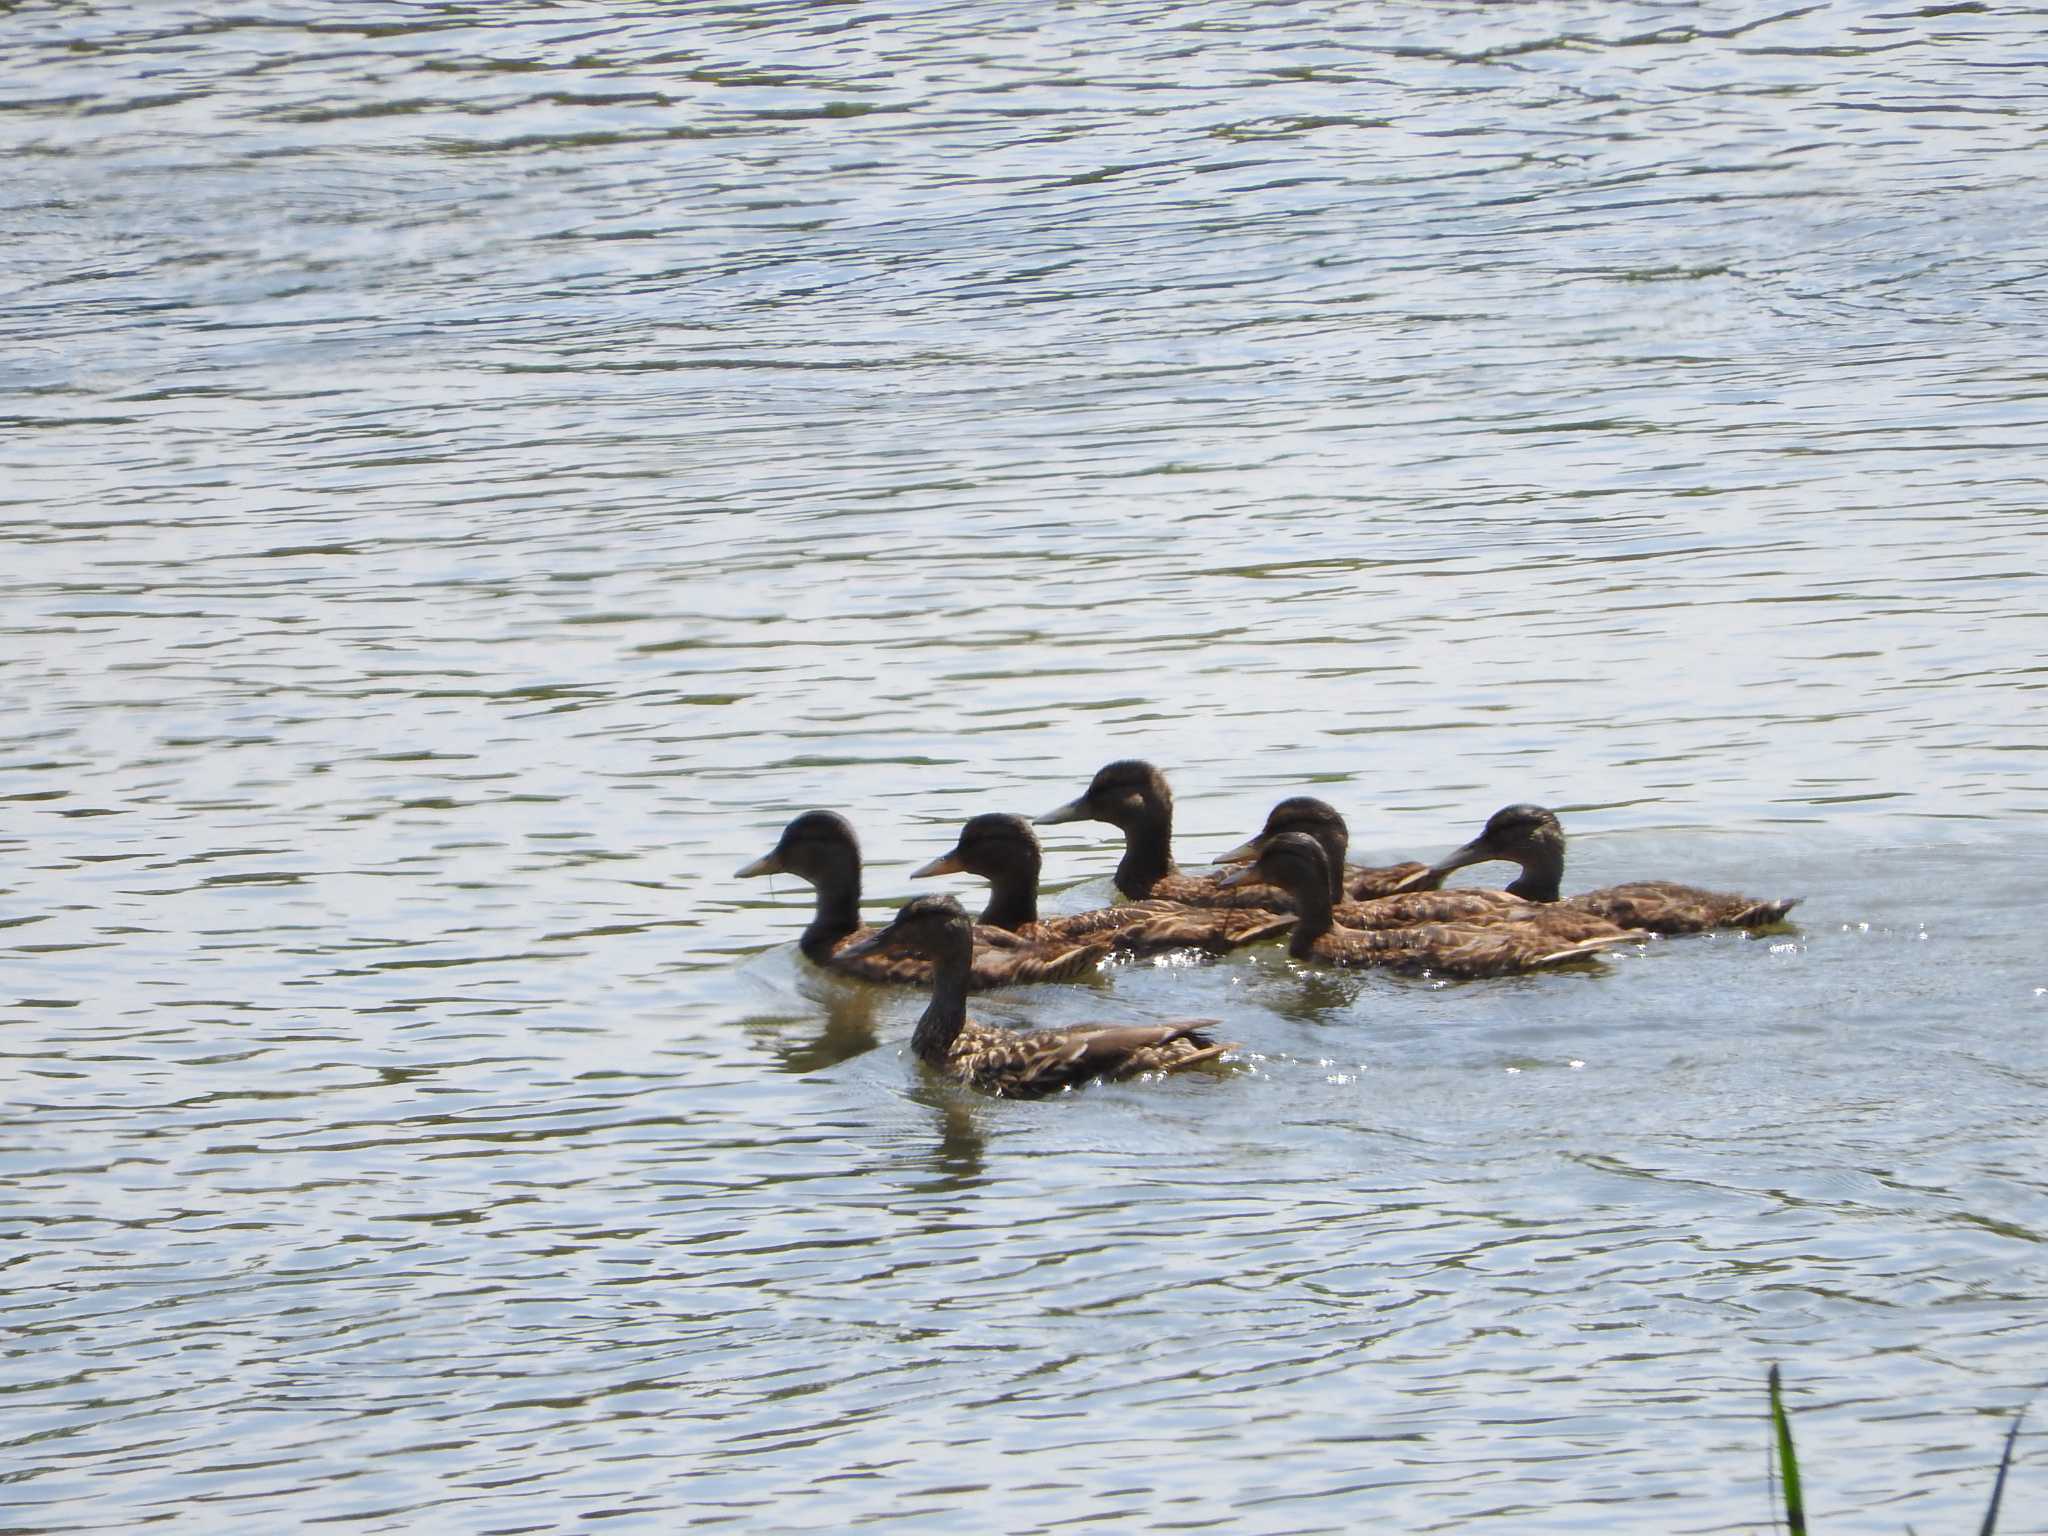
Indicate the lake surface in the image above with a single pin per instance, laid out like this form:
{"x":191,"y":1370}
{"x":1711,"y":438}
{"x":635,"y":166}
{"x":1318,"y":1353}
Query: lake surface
{"x":470,"y":475}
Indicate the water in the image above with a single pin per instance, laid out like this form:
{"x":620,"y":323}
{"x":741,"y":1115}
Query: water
{"x":471,"y":476}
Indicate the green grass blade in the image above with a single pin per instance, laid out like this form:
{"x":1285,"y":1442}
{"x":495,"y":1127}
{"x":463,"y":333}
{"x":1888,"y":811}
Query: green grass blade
{"x":1795,"y":1501}
{"x":1998,"y":1486}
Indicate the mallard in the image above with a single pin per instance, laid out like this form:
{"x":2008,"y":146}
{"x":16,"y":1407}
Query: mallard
{"x":819,"y":846}
{"x":1001,"y":1061}
{"x":1004,"y":851}
{"x":1132,"y":796}
{"x":1321,"y":821}
{"x":1295,"y":862}
{"x":1530,"y":836}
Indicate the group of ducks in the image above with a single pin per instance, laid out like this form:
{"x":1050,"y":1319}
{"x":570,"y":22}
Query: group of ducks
{"x":1291,"y":878}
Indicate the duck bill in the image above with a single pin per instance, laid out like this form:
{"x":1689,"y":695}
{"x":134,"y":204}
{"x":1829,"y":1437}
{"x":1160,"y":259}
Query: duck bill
{"x":1243,"y":853}
{"x":1474,"y":852}
{"x":944,"y":864}
{"x":1073,"y":810}
{"x":767,"y":864}
{"x":1247,"y":875}
{"x":874,"y":943}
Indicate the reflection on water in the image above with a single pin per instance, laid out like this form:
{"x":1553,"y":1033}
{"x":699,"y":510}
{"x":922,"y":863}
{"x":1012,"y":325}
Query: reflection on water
{"x":957,"y":1159}
{"x":471,"y":477}
{"x":847,"y":1031}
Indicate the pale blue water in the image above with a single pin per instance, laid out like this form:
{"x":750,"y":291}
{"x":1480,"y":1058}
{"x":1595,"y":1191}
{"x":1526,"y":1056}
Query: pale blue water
{"x":469,"y":476}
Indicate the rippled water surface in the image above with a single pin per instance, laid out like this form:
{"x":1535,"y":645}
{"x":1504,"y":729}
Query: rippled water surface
{"x":470,"y":474}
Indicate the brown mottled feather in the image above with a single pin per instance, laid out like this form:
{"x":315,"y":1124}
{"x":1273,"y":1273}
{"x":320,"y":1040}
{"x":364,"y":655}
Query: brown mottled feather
{"x":1362,"y":884}
{"x":1013,"y":1065}
{"x":1561,"y":921}
{"x":1296,"y":862}
{"x":1323,"y":822}
{"x":1003,"y":850}
{"x":1022,"y":1066}
{"x":1465,"y":951}
{"x":1665,"y":907}
{"x":991,"y":967}
{"x":1532,"y":837}
{"x":1208,"y":891}
{"x":1133,"y":797}
{"x":819,"y":847}
{"x":1156,"y":927}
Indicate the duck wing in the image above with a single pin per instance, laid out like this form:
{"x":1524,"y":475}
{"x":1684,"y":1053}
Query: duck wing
{"x":1486,"y":909}
{"x":1216,"y":931}
{"x":1410,"y":907}
{"x":990,"y":968}
{"x":1363,"y":884}
{"x":1155,"y":927}
{"x":1208,"y":891}
{"x":1012,"y":1065}
{"x":1465,"y":951}
{"x":1662,"y":906}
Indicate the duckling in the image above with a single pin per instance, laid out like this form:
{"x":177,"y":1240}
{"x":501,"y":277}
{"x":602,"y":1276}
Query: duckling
{"x":1004,"y":851}
{"x":1316,"y":819}
{"x":1295,"y":862}
{"x":1001,"y":1061}
{"x":1531,"y":836}
{"x":1132,"y":796}
{"x":819,"y":847}
{"x":1321,"y":820}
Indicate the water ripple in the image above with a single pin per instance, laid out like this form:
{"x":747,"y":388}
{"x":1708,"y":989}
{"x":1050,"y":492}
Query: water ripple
{"x":473,"y":476}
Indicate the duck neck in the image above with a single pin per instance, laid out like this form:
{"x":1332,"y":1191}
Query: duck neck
{"x":838,"y":910}
{"x":1314,"y":919}
{"x":1012,"y":898}
{"x":1148,"y":855}
{"x":946,"y":1015}
{"x":1542,"y":872}
{"x":1336,"y":844}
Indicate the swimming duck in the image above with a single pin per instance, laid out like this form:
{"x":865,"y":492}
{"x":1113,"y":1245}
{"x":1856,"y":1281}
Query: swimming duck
{"x":1002,"y":1061}
{"x":1004,"y":851}
{"x":1530,"y":836}
{"x":819,"y":846}
{"x":1295,"y":862}
{"x":1321,"y":821}
{"x":1132,"y":796}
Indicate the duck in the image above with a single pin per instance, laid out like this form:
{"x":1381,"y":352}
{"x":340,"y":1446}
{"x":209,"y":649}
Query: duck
{"x":1133,"y":797}
{"x":1296,"y":862}
{"x":1322,"y":822}
{"x":1533,"y":837}
{"x":1002,"y":849}
{"x":820,"y":847}
{"x":1004,"y":1062}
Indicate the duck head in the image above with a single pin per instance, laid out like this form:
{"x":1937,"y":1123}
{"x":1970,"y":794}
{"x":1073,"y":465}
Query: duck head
{"x":819,"y":847}
{"x":1294,"y":861}
{"x":1527,"y":835}
{"x":937,"y":927}
{"x":1311,"y":817}
{"x":992,"y":846}
{"x":1003,"y":850}
{"x":1128,"y":794}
